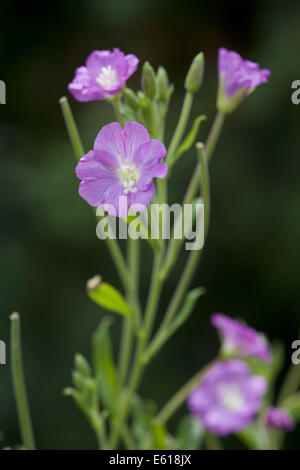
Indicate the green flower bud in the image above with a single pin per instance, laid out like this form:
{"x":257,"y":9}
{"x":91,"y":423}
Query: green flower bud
{"x":82,"y":365}
{"x":78,"y":380}
{"x":131,"y":99}
{"x":194,"y":77}
{"x":162,"y":83}
{"x":148,"y":80}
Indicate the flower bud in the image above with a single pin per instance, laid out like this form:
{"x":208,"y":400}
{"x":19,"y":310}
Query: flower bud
{"x":82,"y":365}
{"x":148,"y":81}
{"x":194,"y":77}
{"x":162,"y":83}
{"x":131,"y":99}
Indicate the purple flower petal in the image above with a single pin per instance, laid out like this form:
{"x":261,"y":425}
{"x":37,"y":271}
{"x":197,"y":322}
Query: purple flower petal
{"x":111,"y":140}
{"x":121,"y":168}
{"x":238,"y":73}
{"x":104,"y":75}
{"x":135,"y":135}
{"x":241,"y":339}
{"x":279,"y":419}
{"x":147,"y":158}
{"x":228,"y":397}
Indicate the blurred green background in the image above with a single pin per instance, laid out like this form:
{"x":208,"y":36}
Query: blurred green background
{"x":48,"y":243}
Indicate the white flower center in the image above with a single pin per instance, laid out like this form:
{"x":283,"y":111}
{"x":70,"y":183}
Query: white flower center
{"x":128,"y":174}
{"x":231,"y":397}
{"x":107,"y":77}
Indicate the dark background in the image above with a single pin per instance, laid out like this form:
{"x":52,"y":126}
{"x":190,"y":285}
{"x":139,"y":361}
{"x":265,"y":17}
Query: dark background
{"x":48,"y":247}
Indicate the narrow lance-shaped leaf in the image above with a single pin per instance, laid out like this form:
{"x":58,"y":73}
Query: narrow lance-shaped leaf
{"x":103,"y":363}
{"x":107,"y":296}
{"x":190,"y":138}
{"x":180,"y":319}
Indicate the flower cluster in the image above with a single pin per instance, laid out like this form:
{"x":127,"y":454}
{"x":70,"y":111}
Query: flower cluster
{"x":124,"y":163}
{"x":118,"y":174}
{"x":229,"y":395}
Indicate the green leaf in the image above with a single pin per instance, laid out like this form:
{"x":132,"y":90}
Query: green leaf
{"x":190,"y":433}
{"x":103,"y":363}
{"x":190,"y":138}
{"x":107,"y":296}
{"x":180,"y":319}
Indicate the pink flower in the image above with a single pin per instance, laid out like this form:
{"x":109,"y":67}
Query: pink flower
{"x":104,"y":75}
{"x":241,"y":339}
{"x":228,"y":397}
{"x":238,"y":77}
{"x":121,"y":168}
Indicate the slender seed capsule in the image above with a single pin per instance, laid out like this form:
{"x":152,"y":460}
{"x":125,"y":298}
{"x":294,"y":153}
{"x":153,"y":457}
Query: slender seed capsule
{"x":149,"y":81}
{"x":194,"y":77}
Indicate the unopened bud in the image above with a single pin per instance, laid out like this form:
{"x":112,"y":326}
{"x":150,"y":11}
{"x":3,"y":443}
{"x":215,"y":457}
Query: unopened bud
{"x":82,"y":365}
{"x":194,"y":78}
{"x":148,"y":80}
{"x":162,"y":83}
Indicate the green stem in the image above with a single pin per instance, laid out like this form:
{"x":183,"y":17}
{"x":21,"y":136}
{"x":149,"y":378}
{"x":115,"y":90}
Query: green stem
{"x":127,"y":439}
{"x":138,"y":366}
{"x":19,"y":384}
{"x":205,"y":184}
{"x":101,"y":436}
{"x":127,"y":333}
{"x":209,"y":149}
{"x":194,"y":257}
{"x":180,"y":397}
{"x":181,"y":125}
{"x":212,"y":442}
{"x":181,"y":289}
{"x":116,"y":102}
{"x":214,"y":134}
{"x":72,"y":128}
{"x":290,"y":384}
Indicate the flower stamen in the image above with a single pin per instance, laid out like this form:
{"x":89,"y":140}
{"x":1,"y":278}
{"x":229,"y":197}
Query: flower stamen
{"x":107,"y":77}
{"x":128,"y":175}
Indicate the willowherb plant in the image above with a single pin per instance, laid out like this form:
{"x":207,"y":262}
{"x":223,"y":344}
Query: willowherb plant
{"x":127,"y":170}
